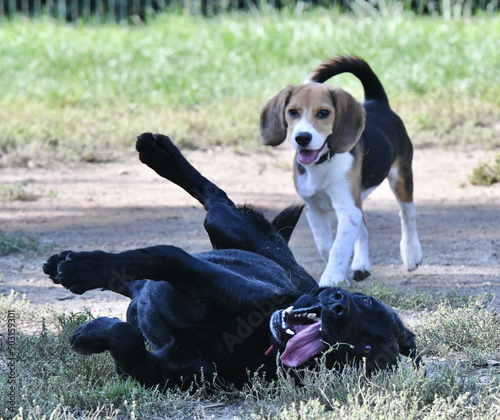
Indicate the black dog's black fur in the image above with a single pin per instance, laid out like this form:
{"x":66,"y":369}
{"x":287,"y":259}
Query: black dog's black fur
{"x":221,"y":310}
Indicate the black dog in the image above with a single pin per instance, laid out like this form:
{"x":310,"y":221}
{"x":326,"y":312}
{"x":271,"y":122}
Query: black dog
{"x":227,"y":311}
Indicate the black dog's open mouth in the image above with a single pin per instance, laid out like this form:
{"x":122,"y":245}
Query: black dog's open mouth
{"x":299,"y":331}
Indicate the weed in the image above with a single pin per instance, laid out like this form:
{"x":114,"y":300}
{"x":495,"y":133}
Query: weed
{"x":14,"y":302}
{"x":15,"y":192}
{"x":471,"y":331}
{"x":447,"y":392}
{"x":19,"y":242}
{"x":486,"y":173}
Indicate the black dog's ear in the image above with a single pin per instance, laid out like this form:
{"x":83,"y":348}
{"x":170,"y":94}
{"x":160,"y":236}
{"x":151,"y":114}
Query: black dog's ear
{"x":407,"y":346}
{"x":272,"y":123}
{"x":286,"y":221}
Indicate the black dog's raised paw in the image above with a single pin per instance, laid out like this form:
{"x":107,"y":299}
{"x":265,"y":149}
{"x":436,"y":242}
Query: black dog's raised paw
{"x":149,"y":142}
{"x":159,"y":153}
{"x":50,"y":266}
{"x":154,"y":149}
{"x":77,"y":271}
{"x":93,"y":337}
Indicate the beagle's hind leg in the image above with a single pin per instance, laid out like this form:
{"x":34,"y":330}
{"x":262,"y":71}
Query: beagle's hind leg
{"x":159,"y":153}
{"x":401,"y":182}
{"x":361,"y":260}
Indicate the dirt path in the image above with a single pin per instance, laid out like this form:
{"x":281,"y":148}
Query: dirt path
{"x":126,"y":205}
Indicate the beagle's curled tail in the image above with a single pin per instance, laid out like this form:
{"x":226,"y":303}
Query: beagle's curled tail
{"x":356,"y":66}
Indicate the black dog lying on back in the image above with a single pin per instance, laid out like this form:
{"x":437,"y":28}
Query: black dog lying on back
{"x":227,"y":311}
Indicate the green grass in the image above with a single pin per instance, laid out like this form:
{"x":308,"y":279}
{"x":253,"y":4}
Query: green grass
{"x":459,"y":380}
{"x":470,"y":331}
{"x":83,"y":92}
{"x":417,"y":300}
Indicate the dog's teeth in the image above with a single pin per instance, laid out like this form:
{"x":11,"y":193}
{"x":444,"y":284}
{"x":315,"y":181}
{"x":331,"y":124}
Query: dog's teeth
{"x":289,"y":309}
{"x":289,"y":331}
{"x":312,"y":316}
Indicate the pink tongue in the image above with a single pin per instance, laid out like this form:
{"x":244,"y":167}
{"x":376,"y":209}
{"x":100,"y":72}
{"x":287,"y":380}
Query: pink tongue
{"x":305,"y":344}
{"x":307,"y":157}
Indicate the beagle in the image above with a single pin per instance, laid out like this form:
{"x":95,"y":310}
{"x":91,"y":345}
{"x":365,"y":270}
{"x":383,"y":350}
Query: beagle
{"x":344,"y":150}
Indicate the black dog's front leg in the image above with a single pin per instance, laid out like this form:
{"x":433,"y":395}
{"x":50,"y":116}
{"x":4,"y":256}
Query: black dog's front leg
{"x":126,"y":345}
{"x":82,"y":271}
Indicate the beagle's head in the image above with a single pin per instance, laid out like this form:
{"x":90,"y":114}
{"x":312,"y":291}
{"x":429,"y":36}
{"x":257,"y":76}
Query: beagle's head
{"x":313,"y":117}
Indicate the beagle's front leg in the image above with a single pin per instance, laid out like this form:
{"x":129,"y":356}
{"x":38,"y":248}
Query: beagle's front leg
{"x":338,"y":269}
{"x":321,"y":224}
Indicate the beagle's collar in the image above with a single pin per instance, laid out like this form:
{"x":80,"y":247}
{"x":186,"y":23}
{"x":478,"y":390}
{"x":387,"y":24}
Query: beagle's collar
{"x":326,"y":157}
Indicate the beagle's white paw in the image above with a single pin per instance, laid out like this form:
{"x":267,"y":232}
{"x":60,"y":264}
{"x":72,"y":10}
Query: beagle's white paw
{"x":336,"y":279}
{"x":411,"y":254}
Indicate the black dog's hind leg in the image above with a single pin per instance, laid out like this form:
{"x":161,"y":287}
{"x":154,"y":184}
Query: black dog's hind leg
{"x":228,"y":227}
{"x":126,"y":345}
{"x":159,"y":153}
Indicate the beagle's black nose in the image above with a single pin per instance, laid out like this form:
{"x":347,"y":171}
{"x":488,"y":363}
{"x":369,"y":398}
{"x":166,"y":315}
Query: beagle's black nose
{"x":303,"y":138}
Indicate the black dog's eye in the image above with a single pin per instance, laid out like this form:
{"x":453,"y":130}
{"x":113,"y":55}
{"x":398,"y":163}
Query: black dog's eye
{"x":367,"y":348}
{"x":324,"y":113}
{"x":293,"y":113}
{"x":367,"y":301}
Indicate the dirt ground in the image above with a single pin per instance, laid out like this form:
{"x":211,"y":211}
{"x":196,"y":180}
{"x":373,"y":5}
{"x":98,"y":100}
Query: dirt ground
{"x":124,"y":205}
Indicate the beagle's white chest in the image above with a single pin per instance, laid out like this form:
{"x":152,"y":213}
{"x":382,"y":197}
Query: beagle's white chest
{"x":326,"y":177}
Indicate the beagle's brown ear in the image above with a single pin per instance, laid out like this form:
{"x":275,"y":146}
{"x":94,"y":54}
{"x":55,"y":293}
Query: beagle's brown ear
{"x":273,"y":125}
{"x":349,"y":121}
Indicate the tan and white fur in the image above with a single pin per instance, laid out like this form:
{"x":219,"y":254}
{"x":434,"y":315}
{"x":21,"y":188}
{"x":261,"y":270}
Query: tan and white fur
{"x":345,"y":149}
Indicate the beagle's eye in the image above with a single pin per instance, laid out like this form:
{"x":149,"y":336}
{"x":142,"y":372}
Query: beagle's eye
{"x":367,"y":301}
{"x":293,"y":113}
{"x":324,"y":113}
